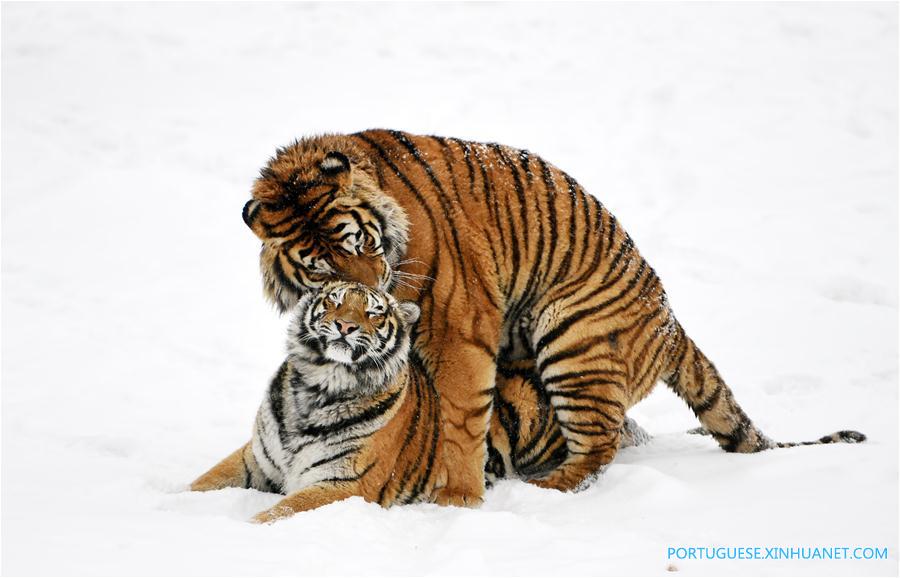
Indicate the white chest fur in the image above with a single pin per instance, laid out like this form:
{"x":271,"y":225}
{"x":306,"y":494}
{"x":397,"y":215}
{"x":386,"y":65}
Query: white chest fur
{"x":312,"y":423}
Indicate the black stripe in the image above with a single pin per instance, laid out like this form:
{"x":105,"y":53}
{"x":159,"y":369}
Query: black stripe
{"x":441,"y":195}
{"x":565,"y":265}
{"x":371,"y":413}
{"x":525,"y":162}
{"x":584,"y":397}
{"x":355,"y":478}
{"x":447,"y":153}
{"x":511,"y":242}
{"x":265,"y":451}
{"x":329,"y":459}
{"x":568,"y":376}
{"x":432,"y":454}
{"x":247,"y":474}
{"x":590,"y":239}
{"x":416,"y":369}
{"x":610,"y":233}
{"x":276,"y":402}
{"x":551,"y":193}
{"x":415,"y":428}
{"x":385,"y":158}
{"x":571,"y":320}
{"x":707,"y":404}
{"x":523,"y":231}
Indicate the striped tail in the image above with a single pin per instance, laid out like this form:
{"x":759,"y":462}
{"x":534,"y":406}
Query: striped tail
{"x":695,"y":379}
{"x":845,"y":436}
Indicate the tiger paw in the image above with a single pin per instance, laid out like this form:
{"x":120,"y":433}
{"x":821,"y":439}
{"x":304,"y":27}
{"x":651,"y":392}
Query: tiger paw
{"x":633,"y":434}
{"x":272,"y":515}
{"x":550,"y":483}
{"x":452,"y":497}
{"x":203,"y":486}
{"x":567,"y":479}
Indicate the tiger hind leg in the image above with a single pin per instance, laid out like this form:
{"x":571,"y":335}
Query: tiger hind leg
{"x":525,"y":440}
{"x":233,"y":471}
{"x":238,"y":470}
{"x":586,"y":386}
{"x":697,"y":381}
{"x":524,"y":429}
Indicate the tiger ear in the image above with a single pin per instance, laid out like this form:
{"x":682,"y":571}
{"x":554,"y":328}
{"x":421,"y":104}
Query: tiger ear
{"x":408,"y":312}
{"x":335,"y":163}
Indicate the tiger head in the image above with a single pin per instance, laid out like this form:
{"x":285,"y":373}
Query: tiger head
{"x":321,"y":217}
{"x":348,"y":324}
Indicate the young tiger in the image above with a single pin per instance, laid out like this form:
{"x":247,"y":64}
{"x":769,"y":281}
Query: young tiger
{"x":347,"y":414}
{"x":511,"y":262}
{"x":344,"y":415}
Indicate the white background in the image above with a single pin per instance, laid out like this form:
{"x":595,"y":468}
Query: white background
{"x":749,"y":149}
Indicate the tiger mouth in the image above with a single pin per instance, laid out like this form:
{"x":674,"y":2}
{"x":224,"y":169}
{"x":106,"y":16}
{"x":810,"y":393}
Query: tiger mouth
{"x":341,"y":351}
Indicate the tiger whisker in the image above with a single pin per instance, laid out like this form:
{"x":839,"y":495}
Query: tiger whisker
{"x":409,"y":261}
{"x":413,"y":275}
{"x":403,"y":283}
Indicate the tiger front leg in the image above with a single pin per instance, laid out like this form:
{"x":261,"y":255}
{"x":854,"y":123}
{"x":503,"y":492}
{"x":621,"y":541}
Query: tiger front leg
{"x":465,"y":382}
{"x":306,"y":499}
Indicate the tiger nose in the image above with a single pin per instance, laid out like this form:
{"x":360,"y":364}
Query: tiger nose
{"x":345,"y":327}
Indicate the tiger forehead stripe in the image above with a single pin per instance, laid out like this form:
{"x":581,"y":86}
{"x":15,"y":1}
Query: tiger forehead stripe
{"x":337,"y":294}
{"x":375,"y":303}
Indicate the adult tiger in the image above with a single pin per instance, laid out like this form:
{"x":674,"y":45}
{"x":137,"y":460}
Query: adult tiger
{"x":509,"y":260}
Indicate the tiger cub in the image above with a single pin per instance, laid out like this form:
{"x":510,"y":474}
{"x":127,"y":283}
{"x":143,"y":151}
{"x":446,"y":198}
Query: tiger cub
{"x":344,"y":415}
{"x":349,"y":413}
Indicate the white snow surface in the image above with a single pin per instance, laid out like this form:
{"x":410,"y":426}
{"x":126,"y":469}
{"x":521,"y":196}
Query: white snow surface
{"x":749,"y":149}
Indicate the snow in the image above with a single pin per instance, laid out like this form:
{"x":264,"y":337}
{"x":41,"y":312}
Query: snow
{"x":749,"y":149}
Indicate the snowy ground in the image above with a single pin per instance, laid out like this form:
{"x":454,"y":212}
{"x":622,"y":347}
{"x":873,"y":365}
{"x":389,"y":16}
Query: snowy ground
{"x":750,"y":150}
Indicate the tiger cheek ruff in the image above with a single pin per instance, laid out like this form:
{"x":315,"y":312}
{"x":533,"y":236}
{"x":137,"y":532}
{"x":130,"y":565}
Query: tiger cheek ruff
{"x":524,"y":281}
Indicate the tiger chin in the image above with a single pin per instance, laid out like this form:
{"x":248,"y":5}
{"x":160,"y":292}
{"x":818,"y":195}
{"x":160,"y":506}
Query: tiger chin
{"x":349,"y":413}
